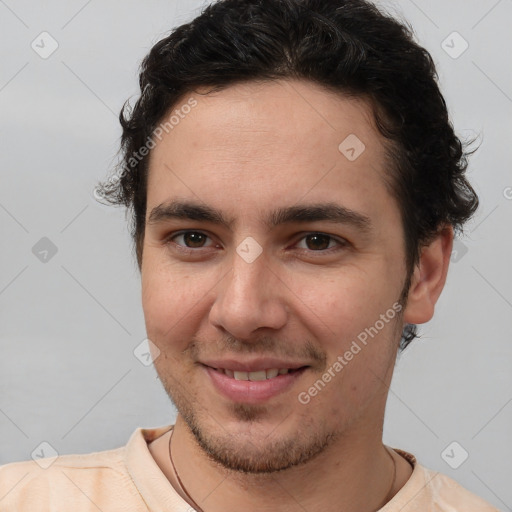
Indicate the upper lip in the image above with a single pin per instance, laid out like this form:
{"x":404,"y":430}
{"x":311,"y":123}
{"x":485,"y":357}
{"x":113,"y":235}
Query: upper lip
{"x":252,"y":366}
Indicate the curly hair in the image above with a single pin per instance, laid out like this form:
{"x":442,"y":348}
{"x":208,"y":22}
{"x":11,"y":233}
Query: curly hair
{"x":347,"y":46}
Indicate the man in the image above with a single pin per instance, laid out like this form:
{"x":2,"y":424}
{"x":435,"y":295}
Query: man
{"x":295,"y":185}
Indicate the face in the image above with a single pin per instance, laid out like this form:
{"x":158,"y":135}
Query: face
{"x":269,"y":248}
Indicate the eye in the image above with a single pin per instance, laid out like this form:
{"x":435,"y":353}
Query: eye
{"x":192,"y":240}
{"x":320,"y":242}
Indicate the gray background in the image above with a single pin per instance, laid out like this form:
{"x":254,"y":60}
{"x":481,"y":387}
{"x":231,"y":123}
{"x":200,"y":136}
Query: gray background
{"x":69,"y":326}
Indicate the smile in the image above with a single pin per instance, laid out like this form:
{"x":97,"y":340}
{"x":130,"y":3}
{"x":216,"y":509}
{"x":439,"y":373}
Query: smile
{"x":252,"y":387}
{"x":271,"y":373}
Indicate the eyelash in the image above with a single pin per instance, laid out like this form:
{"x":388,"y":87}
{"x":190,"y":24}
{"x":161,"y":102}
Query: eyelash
{"x":342,"y":243}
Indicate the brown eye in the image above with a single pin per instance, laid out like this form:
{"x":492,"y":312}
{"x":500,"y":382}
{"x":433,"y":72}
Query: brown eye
{"x":317,"y":242}
{"x":191,"y":239}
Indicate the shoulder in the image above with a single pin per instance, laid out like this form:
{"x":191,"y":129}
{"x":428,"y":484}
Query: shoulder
{"x":98,"y":478}
{"x":446,"y":495}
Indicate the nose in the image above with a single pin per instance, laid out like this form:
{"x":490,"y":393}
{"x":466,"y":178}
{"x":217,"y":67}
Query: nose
{"x":250,"y":296}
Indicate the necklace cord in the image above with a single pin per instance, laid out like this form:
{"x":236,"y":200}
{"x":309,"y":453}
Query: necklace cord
{"x":182,"y":487}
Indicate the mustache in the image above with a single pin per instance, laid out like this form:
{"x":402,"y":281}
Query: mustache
{"x":265,"y":346}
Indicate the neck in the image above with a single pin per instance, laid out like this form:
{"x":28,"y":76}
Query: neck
{"x":354,"y":474}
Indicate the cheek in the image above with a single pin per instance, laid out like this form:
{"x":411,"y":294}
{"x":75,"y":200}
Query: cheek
{"x":341,"y":306}
{"x":360,"y":372}
{"x":171,"y":300}
{"x":354,"y":319}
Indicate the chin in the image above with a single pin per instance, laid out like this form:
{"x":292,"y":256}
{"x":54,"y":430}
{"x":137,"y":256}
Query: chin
{"x":249,"y":446}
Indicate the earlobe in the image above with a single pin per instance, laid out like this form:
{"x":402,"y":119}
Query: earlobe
{"x":429,"y":278}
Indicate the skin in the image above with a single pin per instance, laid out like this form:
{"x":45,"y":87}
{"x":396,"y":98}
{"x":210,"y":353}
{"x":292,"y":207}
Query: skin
{"x":245,"y":151}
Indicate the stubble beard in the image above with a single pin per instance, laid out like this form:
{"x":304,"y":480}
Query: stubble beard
{"x":268,"y":455}
{"x":237,"y":453}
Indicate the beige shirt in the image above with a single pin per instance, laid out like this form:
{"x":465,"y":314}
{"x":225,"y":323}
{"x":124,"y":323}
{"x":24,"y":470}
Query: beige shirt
{"x":128,"y":479}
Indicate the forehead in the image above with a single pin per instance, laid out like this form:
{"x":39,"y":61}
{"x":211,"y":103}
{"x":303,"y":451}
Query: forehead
{"x":253,"y":145}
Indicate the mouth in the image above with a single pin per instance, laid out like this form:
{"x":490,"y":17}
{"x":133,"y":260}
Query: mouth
{"x":259,"y":375}
{"x":253,"y":387}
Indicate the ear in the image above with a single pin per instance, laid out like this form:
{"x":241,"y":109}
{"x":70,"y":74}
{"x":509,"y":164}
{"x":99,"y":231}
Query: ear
{"x":429,"y":278}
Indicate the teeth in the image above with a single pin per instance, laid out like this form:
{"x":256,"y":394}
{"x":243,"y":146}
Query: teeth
{"x":274,"y":372}
{"x":255,"y":376}
{"x":259,"y":375}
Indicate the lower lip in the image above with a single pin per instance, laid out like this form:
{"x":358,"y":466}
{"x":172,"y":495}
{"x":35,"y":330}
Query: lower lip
{"x":248,"y":391}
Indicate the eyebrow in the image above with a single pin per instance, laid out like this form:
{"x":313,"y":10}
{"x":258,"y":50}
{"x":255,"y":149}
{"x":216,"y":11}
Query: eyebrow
{"x":327,"y":212}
